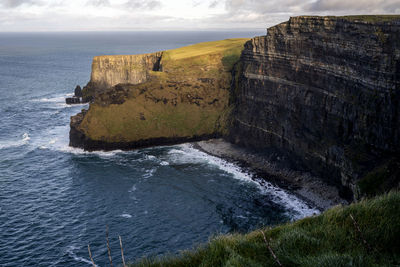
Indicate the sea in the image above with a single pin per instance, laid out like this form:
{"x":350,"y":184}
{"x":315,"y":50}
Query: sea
{"x":56,"y":200}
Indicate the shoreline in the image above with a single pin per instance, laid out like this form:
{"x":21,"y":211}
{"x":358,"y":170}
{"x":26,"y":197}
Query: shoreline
{"x":304,"y":185}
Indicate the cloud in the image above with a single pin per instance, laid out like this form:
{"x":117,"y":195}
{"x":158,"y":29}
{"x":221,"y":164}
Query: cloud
{"x":173,"y":14}
{"x":213,"y":4}
{"x":16,"y":3}
{"x":258,"y":12}
{"x":266,"y":7}
{"x":98,"y":3}
{"x":143,"y":4}
{"x":359,"y":6}
{"x":196,"y":3}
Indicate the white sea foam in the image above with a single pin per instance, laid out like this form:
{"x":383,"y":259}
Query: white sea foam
{"x":15,"y":143}
{"x":72,"y":254}
{"x":187,"y":154}
{"x":64,"y":105}
{"x":79,"y":151}
{"x":164,"y":163}
{"x":133,"y":188}
{"x":25,"y":137}
{"x":149,"y":172}
{"x":57,"y":139}
{"x":58,"y":101}
{"x":151,"y":157}
{"x":296,"y":208}
{"x":126,"y":215}
{"x":57,"y":98}
{"x":50,"y":99}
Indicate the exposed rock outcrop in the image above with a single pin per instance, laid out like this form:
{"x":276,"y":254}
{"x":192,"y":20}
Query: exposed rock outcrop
{"x":77,"y":97}
{"x":78,"y":91}
{"x":108,"y":71}
{"x":325,"y":92}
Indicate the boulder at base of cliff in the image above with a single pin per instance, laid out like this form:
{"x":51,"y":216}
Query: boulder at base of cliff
{"x":73,"y":100}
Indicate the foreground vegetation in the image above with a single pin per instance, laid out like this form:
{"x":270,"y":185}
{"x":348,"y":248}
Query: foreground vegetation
{"x":362,"y":234}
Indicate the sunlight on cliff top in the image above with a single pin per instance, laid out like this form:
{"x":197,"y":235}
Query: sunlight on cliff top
{"x":205,"y":48}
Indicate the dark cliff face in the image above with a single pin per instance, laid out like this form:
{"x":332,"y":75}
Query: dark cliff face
{"x":324,"y":91}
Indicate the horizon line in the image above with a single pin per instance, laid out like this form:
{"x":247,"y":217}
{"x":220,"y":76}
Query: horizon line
{"x":138,"y":30}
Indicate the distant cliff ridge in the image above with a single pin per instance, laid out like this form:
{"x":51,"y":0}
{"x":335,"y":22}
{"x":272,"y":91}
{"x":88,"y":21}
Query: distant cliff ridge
{"x":325,"y":92}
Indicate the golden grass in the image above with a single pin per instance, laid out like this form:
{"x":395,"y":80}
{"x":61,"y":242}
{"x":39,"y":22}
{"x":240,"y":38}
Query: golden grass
{"x":205,"y":48}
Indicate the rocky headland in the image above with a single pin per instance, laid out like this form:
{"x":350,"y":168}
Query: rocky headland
{"x":162,"y":98}
{"x":320,"y":94}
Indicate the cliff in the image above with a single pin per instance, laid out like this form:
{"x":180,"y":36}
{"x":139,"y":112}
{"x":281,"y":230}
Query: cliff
{"x":108,"y":71}
{"x":324,"y":92}
{"x":161,"y":98}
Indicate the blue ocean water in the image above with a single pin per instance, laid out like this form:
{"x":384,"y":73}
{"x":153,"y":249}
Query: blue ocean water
{"x":55,"y":200}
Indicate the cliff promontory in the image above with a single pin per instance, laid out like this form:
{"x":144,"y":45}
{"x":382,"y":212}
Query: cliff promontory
{"x":325,"y":92}
{"x":160,"y":98}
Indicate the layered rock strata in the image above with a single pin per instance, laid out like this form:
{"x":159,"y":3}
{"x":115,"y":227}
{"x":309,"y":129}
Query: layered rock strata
{"x":108,"y":71}
{"x":324,"y":91}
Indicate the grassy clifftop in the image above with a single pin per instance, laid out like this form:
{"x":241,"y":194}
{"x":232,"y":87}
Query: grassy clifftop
{"x":330,"y":239}
{"x":185,"y":96}
{"x":359,"y":18}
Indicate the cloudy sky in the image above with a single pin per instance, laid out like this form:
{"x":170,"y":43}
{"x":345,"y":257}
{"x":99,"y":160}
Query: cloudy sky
{"x":103,"y":15}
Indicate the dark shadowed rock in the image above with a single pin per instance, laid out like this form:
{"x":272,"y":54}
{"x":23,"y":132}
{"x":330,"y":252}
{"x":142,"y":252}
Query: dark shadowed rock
{"x":78,"y":91}
{"x":72,"y":100}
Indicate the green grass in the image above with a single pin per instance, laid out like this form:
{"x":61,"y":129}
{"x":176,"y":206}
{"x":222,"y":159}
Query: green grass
{"x":363,"y":18}
{"x":202,"y":49}
{"x":381,"y":179}
{"x":330,"y":239}
{"x":373,"y":18}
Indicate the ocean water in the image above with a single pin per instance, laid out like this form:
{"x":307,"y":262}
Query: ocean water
{"x":55,"y":200}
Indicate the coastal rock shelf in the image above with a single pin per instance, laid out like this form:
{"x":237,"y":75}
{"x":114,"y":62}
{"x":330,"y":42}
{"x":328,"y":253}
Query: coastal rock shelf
{"x":324,"y":91}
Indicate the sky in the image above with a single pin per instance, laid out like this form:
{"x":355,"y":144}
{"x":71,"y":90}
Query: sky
{"x":120,"y":15}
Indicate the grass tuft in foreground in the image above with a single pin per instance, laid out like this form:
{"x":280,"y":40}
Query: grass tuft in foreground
{"x":330,"y":239}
